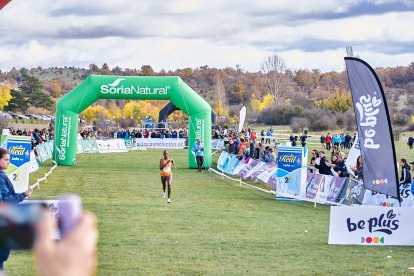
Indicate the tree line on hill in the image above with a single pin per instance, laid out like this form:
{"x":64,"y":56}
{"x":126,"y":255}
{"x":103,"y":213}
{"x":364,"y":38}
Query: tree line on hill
{"x":275,"y":95}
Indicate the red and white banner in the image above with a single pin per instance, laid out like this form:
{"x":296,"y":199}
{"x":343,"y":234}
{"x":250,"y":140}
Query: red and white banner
{"x":112,"y":145}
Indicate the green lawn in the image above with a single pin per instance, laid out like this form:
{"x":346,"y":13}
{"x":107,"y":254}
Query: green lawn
{"x":212,"y":227}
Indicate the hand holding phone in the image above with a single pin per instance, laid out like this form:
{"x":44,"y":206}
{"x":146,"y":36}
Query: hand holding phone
{"x":75,"y":254}
{"x":22,"y":225}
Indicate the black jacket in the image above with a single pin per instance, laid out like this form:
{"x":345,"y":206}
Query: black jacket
{"x":322,"y":167}
{"x":405,"y":175}
{"x":341,"y":169}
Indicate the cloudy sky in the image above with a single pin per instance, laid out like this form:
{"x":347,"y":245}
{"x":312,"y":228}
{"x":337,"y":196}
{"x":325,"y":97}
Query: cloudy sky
{"x":171,"y":34}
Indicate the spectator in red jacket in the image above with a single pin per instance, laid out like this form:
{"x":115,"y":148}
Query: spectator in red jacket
{"x":328,"y":141}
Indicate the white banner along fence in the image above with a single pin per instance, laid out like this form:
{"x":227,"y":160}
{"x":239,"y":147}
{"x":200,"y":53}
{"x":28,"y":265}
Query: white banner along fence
{"x":320,"y":189}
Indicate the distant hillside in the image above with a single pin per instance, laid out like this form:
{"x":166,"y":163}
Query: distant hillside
{"x":229,"y":88}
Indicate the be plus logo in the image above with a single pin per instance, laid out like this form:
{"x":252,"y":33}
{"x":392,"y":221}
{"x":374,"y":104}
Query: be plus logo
{"x":374,"y":240}
{"x":385,"y":223}
{"x":379,"y":181}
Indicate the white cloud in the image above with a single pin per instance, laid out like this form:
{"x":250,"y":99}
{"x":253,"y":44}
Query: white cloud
{"x":191,"y":33}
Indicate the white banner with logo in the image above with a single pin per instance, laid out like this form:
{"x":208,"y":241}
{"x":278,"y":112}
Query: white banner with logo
{"x":371,"y":225}
{"x":18,"y":170}
{"x":34,"y":166}
{"x":112,"y":145}
{"x":158,"y":143}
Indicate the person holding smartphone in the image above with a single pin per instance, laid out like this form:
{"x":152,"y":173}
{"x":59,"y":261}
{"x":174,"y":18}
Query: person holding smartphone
{"x":32,"y":226}
{"x":166,"y":164}
{"x":75,"y":254}
{"x":8,"y":195}
{"x":198,"y":150}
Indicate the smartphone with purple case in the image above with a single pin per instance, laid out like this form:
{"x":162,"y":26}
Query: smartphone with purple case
{"x":70,"y":210}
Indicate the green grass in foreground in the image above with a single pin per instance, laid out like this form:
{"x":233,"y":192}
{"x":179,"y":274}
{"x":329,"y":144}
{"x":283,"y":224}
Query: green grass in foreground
{"x":212,"y":227}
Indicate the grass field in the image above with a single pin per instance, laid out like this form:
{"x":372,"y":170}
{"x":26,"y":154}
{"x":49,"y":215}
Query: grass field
{"x":212,"y":227}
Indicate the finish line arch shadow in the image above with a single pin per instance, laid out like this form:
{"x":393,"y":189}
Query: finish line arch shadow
{"x":170,"y":108}
{"x":97,"y":87}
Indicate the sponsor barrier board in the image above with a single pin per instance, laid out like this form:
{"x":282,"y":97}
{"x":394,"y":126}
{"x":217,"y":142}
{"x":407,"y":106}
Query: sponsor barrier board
{"x":371,"y":225}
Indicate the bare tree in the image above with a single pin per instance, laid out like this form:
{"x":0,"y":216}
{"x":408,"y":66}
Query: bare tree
{"x":277,"y":80}
{"x":221,"y":94}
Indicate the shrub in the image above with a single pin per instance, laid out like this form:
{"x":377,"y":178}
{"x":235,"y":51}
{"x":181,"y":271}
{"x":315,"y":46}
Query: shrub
{"x":280,"y":115}
{"x":349,"y":120}
{"x":400,"y":120}
{"x":320,"y":123}
{"x":4,"y":123}
{"x":340,"y":121}
{"x":320,"y":119}
{"x":126,"y":123}
{"x":410,"y":127}
{"x":300,"y":124}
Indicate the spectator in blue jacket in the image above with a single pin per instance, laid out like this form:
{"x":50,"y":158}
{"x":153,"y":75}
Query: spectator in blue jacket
{"x":342,"y":137}
{"x":336,"y":140}
{"x":268,"y":135}
{"x":174,"y":134}
{"x":198,"y":150}
{"x":266,"y":155}
{"x":119,"y":134}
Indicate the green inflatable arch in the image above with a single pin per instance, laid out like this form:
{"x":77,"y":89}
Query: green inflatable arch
{"x":135,"y":88}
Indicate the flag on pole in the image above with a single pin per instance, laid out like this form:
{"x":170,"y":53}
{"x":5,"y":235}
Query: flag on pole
{"x":374,"y":128}
{"x":242,"y":118}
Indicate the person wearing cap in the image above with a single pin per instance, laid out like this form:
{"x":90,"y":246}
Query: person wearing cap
{"x":198,"y":150}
